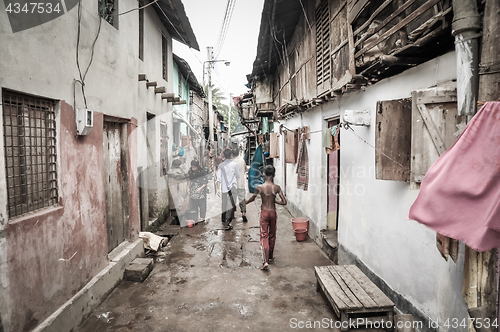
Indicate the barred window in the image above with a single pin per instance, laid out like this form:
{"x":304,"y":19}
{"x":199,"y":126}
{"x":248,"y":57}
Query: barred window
{"x":30,"y":152}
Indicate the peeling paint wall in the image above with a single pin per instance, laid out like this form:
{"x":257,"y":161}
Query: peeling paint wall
{"x":372,"y":217}
{"x":48,"y":255}
{"x":54,"y":252}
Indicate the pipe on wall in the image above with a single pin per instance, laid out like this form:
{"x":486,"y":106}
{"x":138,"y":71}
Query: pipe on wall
{"x":465,"y":28}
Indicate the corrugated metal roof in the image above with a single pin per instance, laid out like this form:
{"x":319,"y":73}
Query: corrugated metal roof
{"x":277,"y":26}
{"x":189,"y":75}
{"x":174,"y":18}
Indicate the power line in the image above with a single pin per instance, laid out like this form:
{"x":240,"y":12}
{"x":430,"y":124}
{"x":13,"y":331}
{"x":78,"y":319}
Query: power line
{"x":225,"y":26}
{"x":131,"y":10}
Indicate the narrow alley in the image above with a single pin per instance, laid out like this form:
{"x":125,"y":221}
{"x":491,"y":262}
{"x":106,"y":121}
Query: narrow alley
{"x":210,"y":280}
{"x":379,"y":120}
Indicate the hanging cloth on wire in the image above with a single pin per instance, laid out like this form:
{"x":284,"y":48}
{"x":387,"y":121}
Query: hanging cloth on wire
{"x":333,"y":134}
{"x":302,"y":165}
{"x":459,"y":195}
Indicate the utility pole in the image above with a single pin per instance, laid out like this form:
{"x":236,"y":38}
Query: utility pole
{"x":229,"y":116}
{"x":210,"y":107}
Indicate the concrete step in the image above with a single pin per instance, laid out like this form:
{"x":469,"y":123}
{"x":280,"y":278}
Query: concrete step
{"x":329,"y":244}
{"x":139,"y":269}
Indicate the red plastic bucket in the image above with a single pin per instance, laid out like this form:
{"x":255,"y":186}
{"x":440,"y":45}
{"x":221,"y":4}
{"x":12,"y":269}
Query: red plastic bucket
{"x":300,"y":222}
{"x":300,"y":234}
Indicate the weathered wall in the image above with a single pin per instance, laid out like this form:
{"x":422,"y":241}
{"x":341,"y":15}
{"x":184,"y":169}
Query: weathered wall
{"x":41,"y":61}
{"x":155,"y":198}
{"x":135,"y":220}
{"x":51,"y":254}
{"x":300,"y":67}
{"x":372,"y":215}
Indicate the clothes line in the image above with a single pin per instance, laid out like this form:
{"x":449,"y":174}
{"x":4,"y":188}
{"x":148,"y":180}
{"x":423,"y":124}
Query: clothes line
{"x":346,"y":126}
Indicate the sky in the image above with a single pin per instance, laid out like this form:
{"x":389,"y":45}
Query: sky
{"x":240,"y":47}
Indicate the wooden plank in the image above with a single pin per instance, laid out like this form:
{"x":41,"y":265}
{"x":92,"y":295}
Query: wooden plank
{"x":398,"y":26}
{"x":431,"y":127}
{"x":393,"y":140}
{"x":384,"y":22}
{"x":336,"y":290}
{"x":354,"y":11}
{"x":352,"y":49}
{"x":149,"y":84}
{"x":372,"y":17}
{"x":342,"y":44}
{"x":323,"y":276}
{"x":143,"y":77}
{"x":402,"y":33}
{"x":418,"y":168}
{"x":353,"y":301}
{"x":370,"y":288}
{"x":353,"y":285}
{"x":338,"y":11}
{"x":437,"y":98}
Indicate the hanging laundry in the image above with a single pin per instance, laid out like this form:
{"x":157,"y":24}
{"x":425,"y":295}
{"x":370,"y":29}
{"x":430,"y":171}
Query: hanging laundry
{"x":302,"y":165}
{"x":334,"y":139}
{"x":327,"y":138}
{"x":459,"y":194}
{"x":290,"y":155}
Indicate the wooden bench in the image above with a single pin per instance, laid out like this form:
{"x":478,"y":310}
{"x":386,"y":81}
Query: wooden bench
{"x":353,"y":296}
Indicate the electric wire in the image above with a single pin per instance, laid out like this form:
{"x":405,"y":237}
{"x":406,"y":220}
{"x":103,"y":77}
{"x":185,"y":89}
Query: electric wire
{"x":133,"y":9}
{"x":225,"y":26}
{"x":82,"y":77}
{"x":305,"y":15}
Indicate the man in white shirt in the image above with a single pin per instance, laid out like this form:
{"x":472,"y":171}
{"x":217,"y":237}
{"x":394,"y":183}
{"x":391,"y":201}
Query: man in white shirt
{"x":242,"y":167}
{"x":227,"y":178}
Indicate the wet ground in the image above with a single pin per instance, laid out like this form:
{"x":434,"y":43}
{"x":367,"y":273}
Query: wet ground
{"x":210,"y":279}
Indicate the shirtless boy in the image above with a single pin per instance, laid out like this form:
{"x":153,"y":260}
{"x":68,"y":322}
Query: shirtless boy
{"x":268,"y":191}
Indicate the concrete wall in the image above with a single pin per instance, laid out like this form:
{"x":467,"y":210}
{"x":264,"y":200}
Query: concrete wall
{"x":54,"y":252}
{"x":154,"y":185}
{"x":34,"y":280}
{"x":372,"y":215}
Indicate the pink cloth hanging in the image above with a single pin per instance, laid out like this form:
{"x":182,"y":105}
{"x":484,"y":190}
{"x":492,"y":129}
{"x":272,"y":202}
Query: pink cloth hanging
{"x":460,"y":194}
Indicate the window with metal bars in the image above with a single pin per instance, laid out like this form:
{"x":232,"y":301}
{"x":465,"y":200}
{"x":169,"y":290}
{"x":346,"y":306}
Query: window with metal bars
{"x":323,"y":59}
{"x":164,"y":50}
{"x":30,"y":152}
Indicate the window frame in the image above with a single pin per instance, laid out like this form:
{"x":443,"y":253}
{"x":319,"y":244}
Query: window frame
{"x":164,"y":54}
{"x":37,"y":147}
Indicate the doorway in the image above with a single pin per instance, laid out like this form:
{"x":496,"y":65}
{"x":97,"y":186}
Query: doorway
{"x":115,"y":182}
{"x":333,"y":184}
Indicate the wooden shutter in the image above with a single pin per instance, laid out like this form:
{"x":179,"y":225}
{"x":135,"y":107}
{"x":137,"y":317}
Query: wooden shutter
{"x":323,"y":59}
{"x":436,"y":126}
{"x":393,"y":140}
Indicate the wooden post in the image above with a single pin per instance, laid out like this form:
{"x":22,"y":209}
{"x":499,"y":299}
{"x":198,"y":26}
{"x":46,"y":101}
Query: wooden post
{"x":489,"y":90}
{"x":489,"y":68}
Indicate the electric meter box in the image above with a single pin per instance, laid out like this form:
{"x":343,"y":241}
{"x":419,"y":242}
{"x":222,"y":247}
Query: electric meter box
{"x":84,"y":121}
{"x":357,"y":118}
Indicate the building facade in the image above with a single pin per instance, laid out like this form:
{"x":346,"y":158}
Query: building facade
{"x":70,"y":197}
{"x":367,"y":69}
